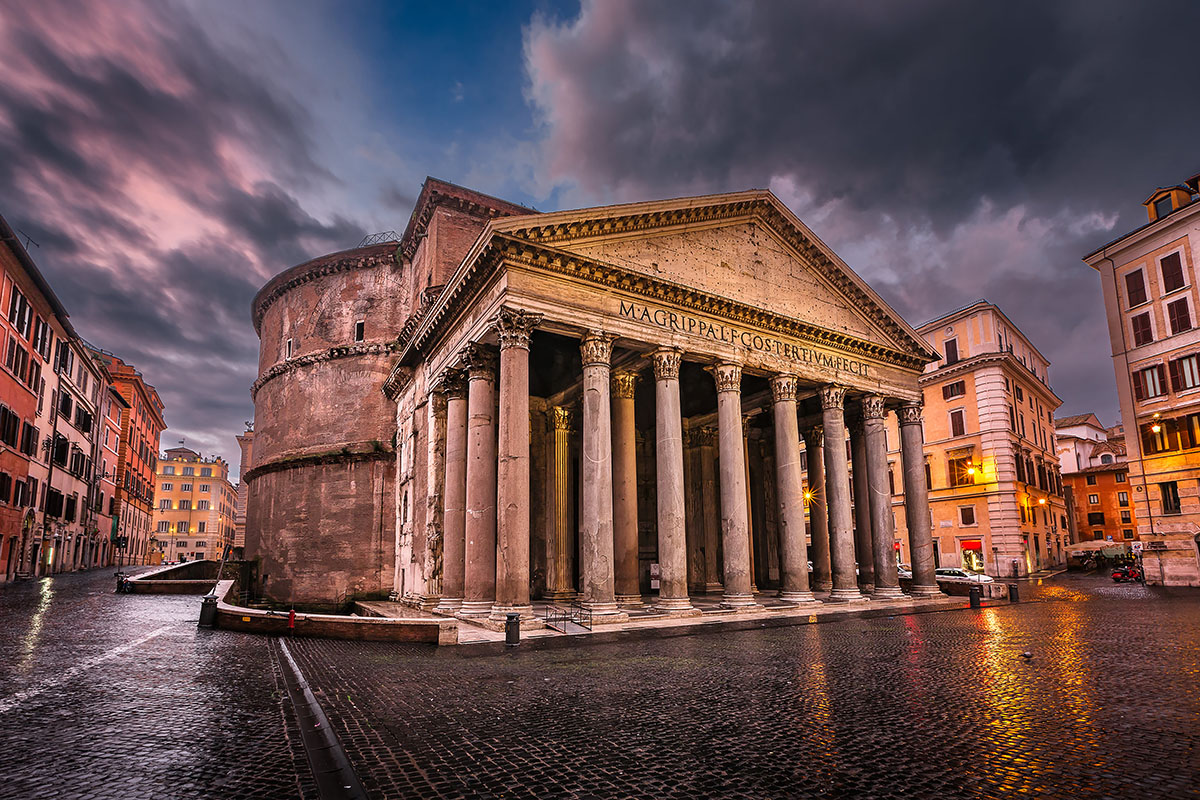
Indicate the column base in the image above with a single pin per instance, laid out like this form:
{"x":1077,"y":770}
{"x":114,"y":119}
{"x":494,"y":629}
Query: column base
{"x":926,"y":591}
{"x":797,"y":597}
{"x":498,"y":618}
{"x":822,"y":586}
{"x":559,"y":595}
{"x":630,"y":601}
{"x":448,"y":605}
{"x":428,"y":602}
{"x":714,"y":588}
{"x":676,"y":607}
{"x":739,"y":602}
{"x":866,"y":588}
{"x":474,"y":608}
{"x":847,"y":596}
{"x":605,"y":613}
{"x":886,"y":593}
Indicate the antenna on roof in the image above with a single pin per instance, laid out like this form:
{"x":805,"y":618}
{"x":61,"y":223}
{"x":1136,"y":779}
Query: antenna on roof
{"x":28,"y":240}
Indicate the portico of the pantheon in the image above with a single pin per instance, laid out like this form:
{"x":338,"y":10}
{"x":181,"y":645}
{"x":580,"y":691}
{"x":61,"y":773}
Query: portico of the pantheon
{"x":631,"y":405}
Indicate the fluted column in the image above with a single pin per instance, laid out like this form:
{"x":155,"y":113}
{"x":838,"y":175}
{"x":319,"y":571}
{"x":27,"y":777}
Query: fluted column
{"x":672,"y":531}
{"x":789,"y":489}
{"x":625,"y":500}
{"x":864,"y":550}
{"x":916,"y":501}
{"x":818,"y":509}
{"x":453,"y":385}
{"x":560,"y":558}
{"x":596,"y":478}
{"x":735,"y":519}
{"x":514,"y":328}
{"x":479,"y":589}
{"x":883,"y":532}
{"x":837,"y":496}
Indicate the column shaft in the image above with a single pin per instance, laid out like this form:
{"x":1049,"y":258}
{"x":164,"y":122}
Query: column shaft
{"x":514,"y":328}
{"x":916,"y":502}
{"x":789,"y":489}
{"x":560,"y":556}
{"x":596,"y":479}
{"x":710,"y":515}
{"x":625,"y":500}
{"x":735,"y":519}
{"x":672,"y":531}
{"x":818,"y":509}
{"x":479,"y":589}
{"x":883,"y":532}
{"x":837,"y":496}
{"x":454,"y":494}
{"x":864,"y":550}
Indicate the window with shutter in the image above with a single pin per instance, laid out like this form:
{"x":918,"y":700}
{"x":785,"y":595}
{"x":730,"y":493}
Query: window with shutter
{"x":958,"y":423}
{"x":952,"y":390}
{"x":1172,"y":272}
{"x":1141,"y":329}
{"x":1177,"y":313}
{"x":1135,"y":288}
{"x":951,"y":351}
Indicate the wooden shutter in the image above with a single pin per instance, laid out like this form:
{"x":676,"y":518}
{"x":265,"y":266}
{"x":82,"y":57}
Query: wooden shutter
{"x":951,"y":351}
{"x":1176,"y":375}
{"x":1172,"y":273}
{"x":1162,"y":377}
{"x":1139,"y":386}
{"x":1181,"y":320}
{"x":1135,"y":288}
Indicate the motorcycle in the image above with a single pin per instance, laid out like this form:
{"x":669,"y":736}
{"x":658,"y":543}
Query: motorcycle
{"x":1127,"y":574}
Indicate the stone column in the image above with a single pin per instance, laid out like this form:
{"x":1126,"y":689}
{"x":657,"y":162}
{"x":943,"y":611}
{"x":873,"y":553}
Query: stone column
{"x":513,"y":327}
{"x":864,"y":550}
{"x":883,"y":532}
{"x":735,"y":519}
{"x":706,"y":439}
{"x":560,"y":556}
{"x":596,"y":481}
{"x":454,"y":496}
{"x":749,"y":502}
{"x":625,"y":500}
{"x":672,"y":530}
{"x":789,"y":488}
{"x":837,"y":498}
{"x":916,"y":501}
{"x":435,"y":477}
{"x":818,"y":509}
{"x":479,"y":588}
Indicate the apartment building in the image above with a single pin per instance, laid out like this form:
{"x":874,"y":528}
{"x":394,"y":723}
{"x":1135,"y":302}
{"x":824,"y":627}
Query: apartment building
{"x":194,"y":518}
{"x":1093,"y":463}
{"x":1150,"y":300}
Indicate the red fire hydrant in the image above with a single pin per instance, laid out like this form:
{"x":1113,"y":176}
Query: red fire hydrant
{"x":291,"y":622}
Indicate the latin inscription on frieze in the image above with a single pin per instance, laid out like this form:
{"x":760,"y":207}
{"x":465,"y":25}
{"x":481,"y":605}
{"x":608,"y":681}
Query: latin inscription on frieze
{"x":735,"y":335}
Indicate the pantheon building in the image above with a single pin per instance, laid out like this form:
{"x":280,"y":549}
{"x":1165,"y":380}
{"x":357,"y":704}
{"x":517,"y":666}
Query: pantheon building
{"x":628,"y":407}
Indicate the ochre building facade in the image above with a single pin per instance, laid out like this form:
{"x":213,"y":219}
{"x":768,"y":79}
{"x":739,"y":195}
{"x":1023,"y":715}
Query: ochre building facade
{"x":615,"y":405}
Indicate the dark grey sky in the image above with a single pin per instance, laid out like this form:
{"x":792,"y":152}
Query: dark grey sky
{"x":170,"y":157}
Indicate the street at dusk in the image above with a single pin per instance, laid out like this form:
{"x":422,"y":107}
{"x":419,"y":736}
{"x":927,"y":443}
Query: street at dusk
{"x":599,"y":399}
{"x":933,"y":705}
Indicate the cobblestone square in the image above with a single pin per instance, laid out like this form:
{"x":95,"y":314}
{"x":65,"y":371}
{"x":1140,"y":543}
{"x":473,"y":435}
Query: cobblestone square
{"x":930,"y":705}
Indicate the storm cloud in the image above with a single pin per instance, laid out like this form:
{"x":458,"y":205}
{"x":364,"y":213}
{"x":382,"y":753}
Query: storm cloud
{"x":948,"y":151}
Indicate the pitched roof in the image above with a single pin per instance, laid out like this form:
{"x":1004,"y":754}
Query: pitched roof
{"x":1078,"y":419}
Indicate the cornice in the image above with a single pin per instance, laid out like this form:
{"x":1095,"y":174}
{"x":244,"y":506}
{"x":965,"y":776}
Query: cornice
{"x":505,"y":248}
{"x":312,"y":270}
{"x":343,"y":456}
{"x":983,"y":359}
{"x":332,"y":354}
{"x":419,"y":224}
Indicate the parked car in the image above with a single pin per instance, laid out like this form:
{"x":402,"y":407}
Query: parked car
{"x":957,"y":575}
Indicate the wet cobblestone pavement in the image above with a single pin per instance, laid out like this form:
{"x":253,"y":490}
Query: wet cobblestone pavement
{"x":121,"y":696}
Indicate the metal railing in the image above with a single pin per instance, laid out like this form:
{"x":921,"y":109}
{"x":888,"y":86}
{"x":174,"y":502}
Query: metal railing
{"x":557,"y":617}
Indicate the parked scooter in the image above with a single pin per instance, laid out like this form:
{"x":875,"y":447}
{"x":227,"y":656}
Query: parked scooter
{"x":1128,"y":573}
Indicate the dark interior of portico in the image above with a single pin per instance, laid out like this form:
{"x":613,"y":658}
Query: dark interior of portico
{"x":556,"y":386}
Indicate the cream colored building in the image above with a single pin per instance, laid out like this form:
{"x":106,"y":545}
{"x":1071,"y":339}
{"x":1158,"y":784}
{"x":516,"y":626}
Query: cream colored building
{"x":995,"y":490}
{"x":1148,"y":277}
{"x":194,"y":517}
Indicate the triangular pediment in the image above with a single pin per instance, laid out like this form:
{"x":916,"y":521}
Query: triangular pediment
{"x":745,"y":247}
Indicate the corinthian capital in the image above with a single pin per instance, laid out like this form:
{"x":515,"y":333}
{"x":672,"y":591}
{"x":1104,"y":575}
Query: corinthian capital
{"x":624,"y":384}
{"x":872,"y":407}
{"x":452,"y":383}
{"x":727,"y":376}
{"x":514,"y":326}
{"x":480,"y":362}
{"x":832,"y":397}
{"x":783,"y":388}
{"x":562,"y":418}
{"x":666,"y":362}
{"x":596,"y":348}
{"x":910,"y":414}
{"x":815,"y":436}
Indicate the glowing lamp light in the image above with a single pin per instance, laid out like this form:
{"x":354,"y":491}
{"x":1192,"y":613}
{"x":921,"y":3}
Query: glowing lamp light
{"x":1041,"y":501}
{"x":808,"y":495}
{"x":1156,"y":427}
{"x":971,"y":471}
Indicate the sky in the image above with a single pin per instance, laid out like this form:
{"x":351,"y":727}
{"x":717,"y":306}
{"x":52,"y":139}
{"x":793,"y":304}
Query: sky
{"x":168,"y":157}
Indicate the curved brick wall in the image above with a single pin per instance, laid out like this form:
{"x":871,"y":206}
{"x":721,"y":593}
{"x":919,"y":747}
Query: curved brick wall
{"x":319,"y":513}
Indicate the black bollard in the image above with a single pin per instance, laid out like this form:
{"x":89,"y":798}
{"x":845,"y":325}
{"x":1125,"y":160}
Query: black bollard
{"x":512,"y":630}
{"x":1014,"y":596}
{"x":976,"y":597}
{"x":208,"y":611}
